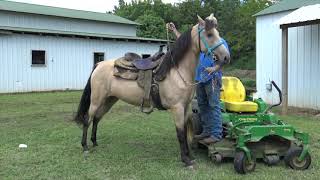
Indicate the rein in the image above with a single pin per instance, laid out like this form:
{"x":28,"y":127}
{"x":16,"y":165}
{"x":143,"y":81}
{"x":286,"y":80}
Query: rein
{"x":210,"y":50}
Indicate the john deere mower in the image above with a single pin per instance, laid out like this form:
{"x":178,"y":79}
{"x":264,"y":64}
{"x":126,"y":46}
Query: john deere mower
{"x":251,"y":132}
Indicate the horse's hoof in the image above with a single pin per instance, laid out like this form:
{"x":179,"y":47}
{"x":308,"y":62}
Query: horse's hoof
{"x":190,"y":164}
{"x":95,"y":144}
{"x":85,"y":154}
{"x":190,"y":167}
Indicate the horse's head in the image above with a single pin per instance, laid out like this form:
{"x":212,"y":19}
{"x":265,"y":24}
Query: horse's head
{"x":210,"y":41}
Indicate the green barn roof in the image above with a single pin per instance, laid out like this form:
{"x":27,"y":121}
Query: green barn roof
{"x":62,"y":12}
{"x":286,"y":5}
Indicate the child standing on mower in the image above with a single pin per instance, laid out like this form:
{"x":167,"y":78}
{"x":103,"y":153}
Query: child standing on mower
{"x":209,"y":82}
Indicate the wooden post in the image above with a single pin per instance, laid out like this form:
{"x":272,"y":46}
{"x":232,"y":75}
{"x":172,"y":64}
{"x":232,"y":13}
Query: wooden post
{"x":285,"y":71}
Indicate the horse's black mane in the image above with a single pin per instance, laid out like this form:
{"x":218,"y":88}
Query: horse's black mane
{"x":177,"y":51}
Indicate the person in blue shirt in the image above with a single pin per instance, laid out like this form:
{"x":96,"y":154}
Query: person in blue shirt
{"x":208,"y":95}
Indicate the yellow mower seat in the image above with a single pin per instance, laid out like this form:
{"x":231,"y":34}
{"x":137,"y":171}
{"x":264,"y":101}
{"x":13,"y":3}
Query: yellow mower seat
{"x":234,"y":94}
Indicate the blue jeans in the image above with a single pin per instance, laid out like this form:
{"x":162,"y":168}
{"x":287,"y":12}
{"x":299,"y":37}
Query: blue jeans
{"x":208,"y":97}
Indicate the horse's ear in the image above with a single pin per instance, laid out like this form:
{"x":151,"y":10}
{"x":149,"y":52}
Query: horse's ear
{"x":211,"y":16}
{"x":201,"y":21}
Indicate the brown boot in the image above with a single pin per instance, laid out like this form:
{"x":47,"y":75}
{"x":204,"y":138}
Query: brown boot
{"x":210,"y":140}
{"x":201,"y":136}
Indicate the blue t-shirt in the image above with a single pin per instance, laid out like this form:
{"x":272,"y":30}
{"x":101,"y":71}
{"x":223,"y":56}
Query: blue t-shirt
{"x":204,"y":62}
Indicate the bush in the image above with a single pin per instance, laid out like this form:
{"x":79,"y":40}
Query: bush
{"x":249,"y":83}
{"x":246,"y":62}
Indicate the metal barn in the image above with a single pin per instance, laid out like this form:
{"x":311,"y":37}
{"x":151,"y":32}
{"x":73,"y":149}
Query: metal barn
{"x":46,"y":48}
{"x":299,"y":75}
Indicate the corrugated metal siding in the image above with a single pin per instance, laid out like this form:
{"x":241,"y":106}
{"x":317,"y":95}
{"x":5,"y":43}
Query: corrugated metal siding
{"x":69,"y":61}
{"x":304,"y":61}
{"x":13,"y":19}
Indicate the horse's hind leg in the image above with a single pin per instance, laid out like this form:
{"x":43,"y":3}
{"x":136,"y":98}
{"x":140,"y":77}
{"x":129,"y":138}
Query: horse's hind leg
{"x":84,"y":136}
{"x":95,"y":104}
{"x":94,"y":131}
{"x":110,"y":101}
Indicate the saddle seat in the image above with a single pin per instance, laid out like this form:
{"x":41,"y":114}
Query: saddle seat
{"x":133,"y":61}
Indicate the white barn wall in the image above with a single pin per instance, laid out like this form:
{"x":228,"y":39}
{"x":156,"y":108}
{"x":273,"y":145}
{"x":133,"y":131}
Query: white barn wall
{"x":304,"y":61}
{"x":69,"y":61}
{"x":24,"y":20}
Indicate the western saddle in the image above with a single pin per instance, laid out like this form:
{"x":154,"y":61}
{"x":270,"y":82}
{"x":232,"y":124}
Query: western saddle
{"x":133,"y":67}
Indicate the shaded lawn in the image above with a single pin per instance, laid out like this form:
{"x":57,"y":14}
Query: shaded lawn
{"x":132,"y":145}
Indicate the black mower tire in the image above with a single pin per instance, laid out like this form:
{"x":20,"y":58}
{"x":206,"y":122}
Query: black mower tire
{"x":217,"y":158}
{"x":196,"y":123}
{"x":241,"y":164}
{"x":291,"y":159}
{"x":193,"y":127}
{"x":271,"y":160}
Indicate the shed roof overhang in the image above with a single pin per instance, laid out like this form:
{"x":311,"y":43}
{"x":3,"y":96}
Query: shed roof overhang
{"x":303,"y":16}
{"x":286,"y":5}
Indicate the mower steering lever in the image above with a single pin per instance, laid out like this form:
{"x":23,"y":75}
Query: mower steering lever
{"x":280,"y":98}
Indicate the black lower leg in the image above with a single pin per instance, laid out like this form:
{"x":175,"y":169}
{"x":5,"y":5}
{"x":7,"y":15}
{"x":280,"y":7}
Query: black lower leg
{"x":183,"y":146}
{"x":84,"y":138}
{"x":94,"y":131}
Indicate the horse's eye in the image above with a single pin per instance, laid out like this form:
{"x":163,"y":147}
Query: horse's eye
{"x":210,"y":35}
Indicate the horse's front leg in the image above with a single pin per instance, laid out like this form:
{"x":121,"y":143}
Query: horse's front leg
{"x":179,"y":118}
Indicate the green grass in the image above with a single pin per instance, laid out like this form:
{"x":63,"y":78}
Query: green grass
{"x":132,"y":145}
{"x":245,"y":62}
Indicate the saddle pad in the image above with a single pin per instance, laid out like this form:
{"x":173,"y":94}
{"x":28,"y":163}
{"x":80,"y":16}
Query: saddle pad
{"x":122,"y":63}
{"x":145,"y":64}
{"x":125,"y":73}
{"x":131,"y":56}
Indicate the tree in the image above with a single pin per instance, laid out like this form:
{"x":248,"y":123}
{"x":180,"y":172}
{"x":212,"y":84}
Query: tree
{"x":243,"y":33}
{"x":236,"y":22}
{"x":152,"y":26}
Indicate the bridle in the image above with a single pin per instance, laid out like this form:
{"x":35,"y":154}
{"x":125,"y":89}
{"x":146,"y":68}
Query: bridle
{"x":210,"y":49}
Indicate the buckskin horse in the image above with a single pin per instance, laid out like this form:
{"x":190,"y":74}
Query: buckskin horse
{"x":176,"y":89}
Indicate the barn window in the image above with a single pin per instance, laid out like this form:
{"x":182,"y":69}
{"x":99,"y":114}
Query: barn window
{"x":98,"y":57}
{"x":145,"y":56}
{"x":38,"y":57}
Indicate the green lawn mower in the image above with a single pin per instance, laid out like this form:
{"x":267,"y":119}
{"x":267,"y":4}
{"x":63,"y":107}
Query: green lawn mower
{"x":251,"y":131}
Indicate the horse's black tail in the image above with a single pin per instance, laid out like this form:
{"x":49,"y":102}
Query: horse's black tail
{"x":80,"y":117}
